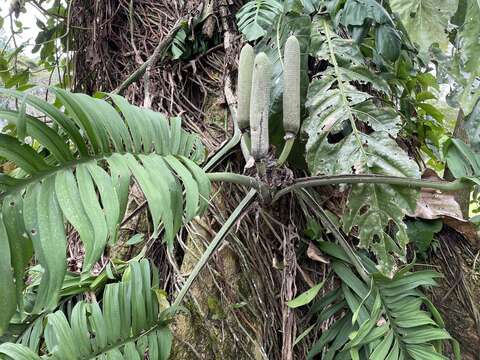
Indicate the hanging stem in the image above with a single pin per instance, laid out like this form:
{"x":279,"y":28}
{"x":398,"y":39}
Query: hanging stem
{"x":371,"y":179}
{"x":339,"y":179}
{"x":287,"y":148}
{"x":216,"y":242}
{"x":234,"y":179}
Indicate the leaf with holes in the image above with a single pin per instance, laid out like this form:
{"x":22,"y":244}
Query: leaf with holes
{"x":350,"y":133}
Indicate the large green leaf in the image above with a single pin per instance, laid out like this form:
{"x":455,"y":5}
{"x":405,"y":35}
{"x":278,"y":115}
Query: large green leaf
{"x":372,"y":208}
{"x":44,"y":224}
{"x":8,"y":299}
{"x":255,"y":17}
{"x":469,"y":38}
{"x":356,"y":12}
{"x":80,"y":172}
{"x":338,"y":143}
{"x":426,"y":21}
{"x":128,"y":325}
{"x":21,"y":247}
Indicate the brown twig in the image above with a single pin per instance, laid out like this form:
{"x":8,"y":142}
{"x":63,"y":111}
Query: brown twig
{"x":152,"y":60}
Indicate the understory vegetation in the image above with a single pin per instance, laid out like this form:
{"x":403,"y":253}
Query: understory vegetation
{"x":255,"y":179}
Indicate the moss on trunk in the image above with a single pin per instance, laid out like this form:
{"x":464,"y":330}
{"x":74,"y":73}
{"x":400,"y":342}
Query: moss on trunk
{"x":209,"y":329}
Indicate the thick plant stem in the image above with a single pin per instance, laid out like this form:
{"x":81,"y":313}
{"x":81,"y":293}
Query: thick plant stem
{"x":216,"y":242}
{"x":287,"y":148}
{"x":261,"y":168}
{"x":371,"y":179}
{"x":159,"y":51}
{"x":337,"y":180}
{"x":234,"y":179}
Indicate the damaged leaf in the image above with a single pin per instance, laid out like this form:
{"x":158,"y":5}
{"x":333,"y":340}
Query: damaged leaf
{"x":350,"y":134}
{"x":434,"y":205}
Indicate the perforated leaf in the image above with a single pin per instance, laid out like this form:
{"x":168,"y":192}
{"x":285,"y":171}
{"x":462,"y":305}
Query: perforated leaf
{"x":349,"y":132}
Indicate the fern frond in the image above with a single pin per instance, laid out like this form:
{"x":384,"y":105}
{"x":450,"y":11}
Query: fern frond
{"x":99,"y":148}
{"x":128,"y":324}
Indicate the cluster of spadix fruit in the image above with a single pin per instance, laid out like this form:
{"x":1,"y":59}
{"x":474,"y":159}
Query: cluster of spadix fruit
{"x":254,"y":87}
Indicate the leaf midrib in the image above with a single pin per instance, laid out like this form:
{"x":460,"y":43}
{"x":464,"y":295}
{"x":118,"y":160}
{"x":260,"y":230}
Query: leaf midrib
{"x":345,"y":101}
{"x":67,"y":165}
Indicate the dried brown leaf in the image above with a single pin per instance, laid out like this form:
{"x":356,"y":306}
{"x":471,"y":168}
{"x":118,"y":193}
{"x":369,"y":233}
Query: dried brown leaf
{"x":315,"y":254}
{"x":433,"y":204}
